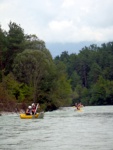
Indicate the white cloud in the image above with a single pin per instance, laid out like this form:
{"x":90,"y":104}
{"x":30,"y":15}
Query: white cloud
{"x":68,"y":3}
{"x":60,"y":25}
{"x":61,"y":20}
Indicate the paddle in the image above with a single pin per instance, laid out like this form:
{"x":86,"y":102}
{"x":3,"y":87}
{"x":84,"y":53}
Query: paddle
{"x":33,"y":115}
{"x":36,"y":108}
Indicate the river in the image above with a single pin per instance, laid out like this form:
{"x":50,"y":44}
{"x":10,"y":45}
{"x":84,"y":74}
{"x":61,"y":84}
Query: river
{"x":64,"y":129}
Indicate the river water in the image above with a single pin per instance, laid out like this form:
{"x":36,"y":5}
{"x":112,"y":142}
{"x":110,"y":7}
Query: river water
{"x":64,"y":129}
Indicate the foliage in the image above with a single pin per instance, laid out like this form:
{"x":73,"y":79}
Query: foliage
{"x":15,"y":38}
{"x":33,"y":42}
{"x":3,"y":50}
{"x":85,"y":69}
{"x":56,"y":88}
{"x":29,"y":73}
{"x":7,"y":102}
{"x":30,"y":67}
{"x":102,"y":92}
{"x":16,"y":90}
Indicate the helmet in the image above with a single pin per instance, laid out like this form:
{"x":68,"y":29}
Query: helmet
{"x":33,"y":104}
{"x":29,"y":107}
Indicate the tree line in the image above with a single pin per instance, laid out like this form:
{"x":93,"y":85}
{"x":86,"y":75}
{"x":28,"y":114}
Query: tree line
{"x":90,"y":74}
{"x":28,"y":73}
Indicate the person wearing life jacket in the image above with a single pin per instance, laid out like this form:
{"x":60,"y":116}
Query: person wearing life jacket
{"x":33,"y":108}
{"x":77,"y":106}
{"x":29,"y":110}
{"x":80,"y":105}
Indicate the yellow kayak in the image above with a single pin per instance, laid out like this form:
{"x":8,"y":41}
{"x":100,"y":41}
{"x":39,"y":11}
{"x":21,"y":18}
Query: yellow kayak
{"x":36,"y":116}
{"x":80,"y":110}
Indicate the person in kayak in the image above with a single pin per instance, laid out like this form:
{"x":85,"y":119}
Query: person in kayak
{"x":33,"y":109}
{"x":80,"y":105}
{"x":77,"y":106}
{"x":29,"y":110}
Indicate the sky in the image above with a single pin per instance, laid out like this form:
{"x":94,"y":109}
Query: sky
{"x":64,"y":25}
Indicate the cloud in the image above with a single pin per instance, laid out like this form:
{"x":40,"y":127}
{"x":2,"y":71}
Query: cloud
{"x":61,"y":20}
{"x":60,"y":25}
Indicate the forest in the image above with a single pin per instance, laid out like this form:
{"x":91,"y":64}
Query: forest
{"x":28,"y":73}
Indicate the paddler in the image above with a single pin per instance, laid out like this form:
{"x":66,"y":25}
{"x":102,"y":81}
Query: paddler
{"x":77,"y":106}
{"x":80,"y":105}
{"x":29,"y":110}
{"x":34,"y":108}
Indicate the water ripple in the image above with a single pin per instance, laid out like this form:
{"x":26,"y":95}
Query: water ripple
{"x":64,"y":129}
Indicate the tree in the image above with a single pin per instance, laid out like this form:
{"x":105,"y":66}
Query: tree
{"x":30,"y":67}
{"x":94,"y":73}
{"x":98,"y":92}
{"x":61,"y":91}
{"x":33,"y":42}
{"x":15,"y":44}
{"x":16,"y":90}
{"x":3,"y":50}
{"x":83,"y":65}
{"x":75,"y":80}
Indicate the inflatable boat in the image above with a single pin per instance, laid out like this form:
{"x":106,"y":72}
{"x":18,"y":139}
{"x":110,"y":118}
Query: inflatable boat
{"x":36,"y":116}
{"x":79,"y":110}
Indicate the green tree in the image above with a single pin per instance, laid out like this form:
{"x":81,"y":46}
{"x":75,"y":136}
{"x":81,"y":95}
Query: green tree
{"x":30,"y":67}
{"x":61,"y":92}
{"x":94,"y":73}
{"x":75,"y":80}
{"x":83,"y":65}
{"x":16,"y":44}
{"x":33,"y":42}
{"x":85,"y":98}
{"x":98,"y":92}
{"x":16,"y":90}
{"x":3,"y":50}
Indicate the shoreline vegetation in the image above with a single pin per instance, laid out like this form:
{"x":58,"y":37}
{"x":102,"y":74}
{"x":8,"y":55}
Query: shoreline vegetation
{"x":15,"y":108}
{"x":12,"y":107}
{"x":28,"y":73}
